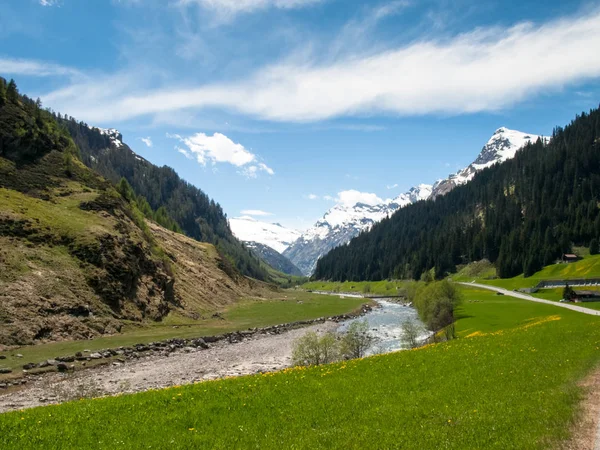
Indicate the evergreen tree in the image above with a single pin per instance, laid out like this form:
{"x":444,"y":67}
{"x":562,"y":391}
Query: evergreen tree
{"x":12,"y":93}
{"x":2,"y":92}
{"x":594,"y":247}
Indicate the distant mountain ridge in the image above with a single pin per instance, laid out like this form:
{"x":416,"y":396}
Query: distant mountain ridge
{"x":343,"y":222}
{"x":273,"y":258}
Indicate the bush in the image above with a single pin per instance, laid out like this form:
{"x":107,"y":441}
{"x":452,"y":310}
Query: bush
{"x":356,"y":341}
{"x":366,"y":289}
{"x":435,"y":304}
{"x":314,"y":350}
{"x":410,"y":333}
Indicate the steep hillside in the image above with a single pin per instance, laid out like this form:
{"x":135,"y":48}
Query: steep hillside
{"x":521,"y":215}
{"x":77,"y":259}
{"x":194,"y":212}
{"x":273,"y":258}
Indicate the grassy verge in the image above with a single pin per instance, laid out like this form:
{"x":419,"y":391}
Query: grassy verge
{"x":290,"y":306}
{"x":511,"y":384}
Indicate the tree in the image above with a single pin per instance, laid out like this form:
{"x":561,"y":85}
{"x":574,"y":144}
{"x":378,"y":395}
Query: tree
{"x":12,"y":93}
{"x":411,"y":331}
{"x":314,"y":350}
{"x":125,"y":190}
{"x":568,"y":293}
{"x":436,"y":304}
{"x":594,"y":247}
{"x":357,"y":340}
{"x":2,"y":92}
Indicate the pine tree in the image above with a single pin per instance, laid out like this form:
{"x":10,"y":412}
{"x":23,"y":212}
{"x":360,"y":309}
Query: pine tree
{"x":594,"y":247}
{"x":12,"y":93}
{"x":2,"y":92}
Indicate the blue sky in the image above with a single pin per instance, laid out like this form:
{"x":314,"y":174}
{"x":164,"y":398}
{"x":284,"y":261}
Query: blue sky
{"x":280,"y":105}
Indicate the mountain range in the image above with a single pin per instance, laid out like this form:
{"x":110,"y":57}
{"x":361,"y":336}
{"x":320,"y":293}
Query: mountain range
{"x":343,"y":222}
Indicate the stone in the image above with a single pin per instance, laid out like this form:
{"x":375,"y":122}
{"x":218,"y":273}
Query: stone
{"x":95,"y":356}
{"x":30,"y":366}
{"x":62,"y":367}
{"x":18,"y":355}
{"x":3,"y":386}
{"x":5,"y":370}
{"x":2,"y":357}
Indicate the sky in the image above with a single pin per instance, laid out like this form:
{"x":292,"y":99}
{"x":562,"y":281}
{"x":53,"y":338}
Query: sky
{"x":280,"y":108}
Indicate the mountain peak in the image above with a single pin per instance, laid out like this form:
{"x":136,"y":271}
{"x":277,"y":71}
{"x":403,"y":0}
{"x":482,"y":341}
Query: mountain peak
{"x":273,"y":235}
{"x":115,"y":136}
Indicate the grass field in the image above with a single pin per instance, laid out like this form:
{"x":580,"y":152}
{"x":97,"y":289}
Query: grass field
{"x":359,"y":287}
{"x":588,"y":267}
{"x":291,"y":306}
{"x":510,"y":381}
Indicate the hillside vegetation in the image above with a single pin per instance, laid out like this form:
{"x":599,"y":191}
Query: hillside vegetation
{"x":77,"y":258}
{"x":520,"y":215}
{"x":193,"y":212}
{"x":515,"y":360}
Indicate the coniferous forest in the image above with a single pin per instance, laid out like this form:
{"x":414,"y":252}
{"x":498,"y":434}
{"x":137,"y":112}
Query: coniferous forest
{"x":521,"y":215}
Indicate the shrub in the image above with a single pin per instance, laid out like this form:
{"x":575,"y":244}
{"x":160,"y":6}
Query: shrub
{"x":366,"y":289}
{"x":435,"y":304}
{"x":357,"y":340}
{"x":410,"y":333}
{"x":314,"y":350}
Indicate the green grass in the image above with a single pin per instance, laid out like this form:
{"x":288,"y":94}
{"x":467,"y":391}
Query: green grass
{"x":588,"y":267}
{"x":512,"y":385}
{"x":291,"y":306}
{"x":359,"y":287}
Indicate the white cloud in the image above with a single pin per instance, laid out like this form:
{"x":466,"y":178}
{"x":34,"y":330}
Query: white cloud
{"x":50,"y":2}
{"x":184,"y":152}
{"x":486,"y":70}
{"x":35,"y":68}
{"x":312,"y":197}
{"x":352,"y":197}
{"x":147,"y":141}
{"x":255,"y":212}
{"x":218,"y":148}
{"x":232,"y":7}
{"x":329,"y":198}
{"x":392,"y":186}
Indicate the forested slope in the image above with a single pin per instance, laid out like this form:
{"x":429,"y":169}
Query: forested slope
{"x":521,"y":215}
{"x":194,"y":212}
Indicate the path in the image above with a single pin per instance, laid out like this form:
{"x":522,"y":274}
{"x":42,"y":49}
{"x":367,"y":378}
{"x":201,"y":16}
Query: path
{"x":522,"y":296}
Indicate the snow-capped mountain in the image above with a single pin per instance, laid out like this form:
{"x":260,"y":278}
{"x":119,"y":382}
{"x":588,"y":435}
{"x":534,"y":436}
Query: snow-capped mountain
{"x":503,"y":145}
{"x":273,"y":258}
{"x":274,"y":235}
{"x":343,"y":222}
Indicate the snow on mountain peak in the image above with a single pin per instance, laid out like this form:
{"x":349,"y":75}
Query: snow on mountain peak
{"x":115,"y":136}
{"x":249,"y":229}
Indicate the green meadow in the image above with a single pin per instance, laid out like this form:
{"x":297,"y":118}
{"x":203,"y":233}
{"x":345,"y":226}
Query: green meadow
{"x":384,"y":287}
{"x":509,"y":381}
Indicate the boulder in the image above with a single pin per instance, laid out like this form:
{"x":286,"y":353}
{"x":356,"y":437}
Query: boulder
{"x":5,"y":370}
{"x":30,"y":366}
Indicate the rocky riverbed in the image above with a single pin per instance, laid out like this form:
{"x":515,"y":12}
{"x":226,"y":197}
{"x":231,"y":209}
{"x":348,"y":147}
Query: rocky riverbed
{"x":254,"y":353}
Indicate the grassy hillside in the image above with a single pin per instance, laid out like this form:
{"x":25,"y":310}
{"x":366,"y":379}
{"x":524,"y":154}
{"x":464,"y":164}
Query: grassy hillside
{"x":77,"y":258}
{"x":510,"y":381}
{"x":360,"y":287}
{"x":588,"y":267}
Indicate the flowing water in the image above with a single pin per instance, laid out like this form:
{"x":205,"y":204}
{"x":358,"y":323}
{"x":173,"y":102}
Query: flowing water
{"x":385,"y":324}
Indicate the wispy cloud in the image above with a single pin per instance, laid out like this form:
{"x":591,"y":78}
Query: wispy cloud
{"x":230,"y":8}
{"x":486,"y":70}
{"x":147,"y":141}
{"x":312,"y":197}
{"x":392,"y":186}
{"x":218,"y":148}
{"x":50,"y":2}
{"x":255,"y":212}
{"x":29,"y":67}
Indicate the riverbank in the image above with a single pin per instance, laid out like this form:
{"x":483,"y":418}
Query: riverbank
{"x":255,"y":354}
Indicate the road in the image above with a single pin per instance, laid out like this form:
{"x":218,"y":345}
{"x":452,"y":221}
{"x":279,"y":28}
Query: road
{"x":522,"y":296}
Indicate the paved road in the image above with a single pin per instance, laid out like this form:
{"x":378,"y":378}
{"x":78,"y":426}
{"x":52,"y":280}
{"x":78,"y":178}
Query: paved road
{"x":520,"y":295}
